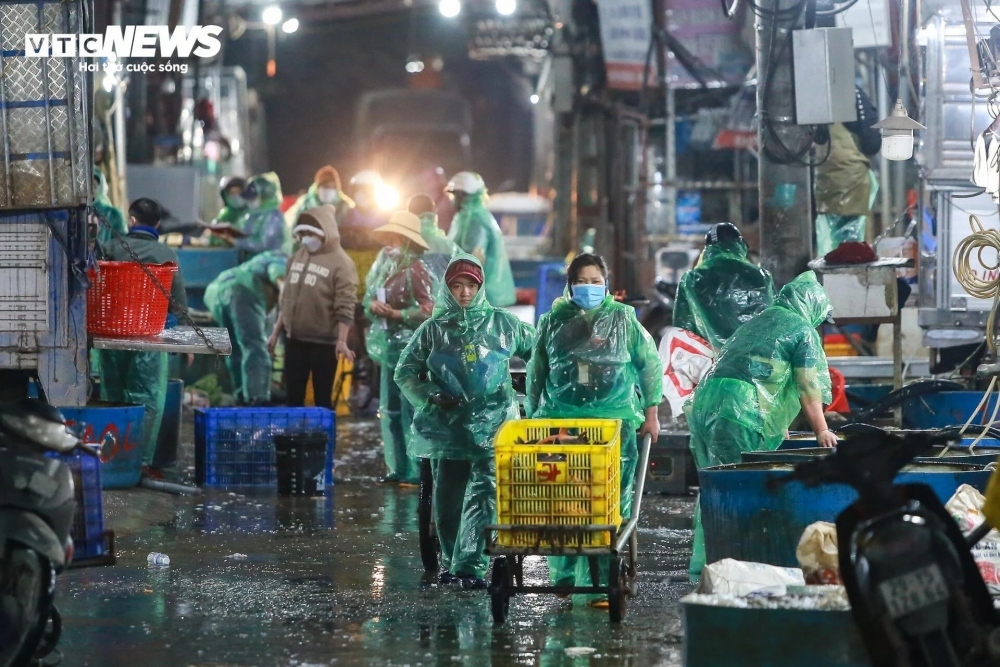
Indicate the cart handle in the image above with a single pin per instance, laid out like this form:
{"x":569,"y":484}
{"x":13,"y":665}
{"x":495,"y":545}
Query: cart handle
{"x":640,"y":485}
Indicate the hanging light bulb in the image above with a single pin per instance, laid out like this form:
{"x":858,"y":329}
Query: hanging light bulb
{"x":897,"y":133}
{"x":450,"y":8}
{"x":506,"y":7}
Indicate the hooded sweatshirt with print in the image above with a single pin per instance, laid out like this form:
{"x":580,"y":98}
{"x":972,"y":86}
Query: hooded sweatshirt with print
{"x":321,"y":288}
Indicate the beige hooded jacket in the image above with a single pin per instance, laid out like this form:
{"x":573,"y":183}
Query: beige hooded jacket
{"x":321,"y":288}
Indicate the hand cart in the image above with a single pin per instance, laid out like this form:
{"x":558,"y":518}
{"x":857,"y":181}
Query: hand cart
{"x":591,"y":540}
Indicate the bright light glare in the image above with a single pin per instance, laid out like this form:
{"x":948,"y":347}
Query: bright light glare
{"x":109,"y":82}
{"x":415,"y":66}
{"x":271,"y":15}
{"x":450,"y":8}
{"x":534,"y":99}
{"x":290,"y":26}
{"x":386,"y":196}
{"x":506,"y":7}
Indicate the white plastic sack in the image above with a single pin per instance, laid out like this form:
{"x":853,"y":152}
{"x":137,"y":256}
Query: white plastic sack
{"x":686,"y":358}
{"x":966,"y":506}
{"x":818,"y":555}
{"x":739,"y":578}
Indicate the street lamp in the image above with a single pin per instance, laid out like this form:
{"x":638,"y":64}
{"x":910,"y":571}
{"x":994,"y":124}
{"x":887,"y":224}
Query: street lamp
{"x":450,"y":8}
{"x":506,"y":7}
{"x":897,"y":133}
{"x":534,"y":98}
{"x":290,"y":26}
{"x":271,"y":15}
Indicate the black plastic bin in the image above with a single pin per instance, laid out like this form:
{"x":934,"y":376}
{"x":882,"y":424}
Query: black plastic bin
{"x":301,"y":463}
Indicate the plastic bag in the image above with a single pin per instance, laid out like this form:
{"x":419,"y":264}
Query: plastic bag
{"x":966,"y":507}
{"x":739,"y":578}
{"x":818,"y":555}
{"x":686,"y":359}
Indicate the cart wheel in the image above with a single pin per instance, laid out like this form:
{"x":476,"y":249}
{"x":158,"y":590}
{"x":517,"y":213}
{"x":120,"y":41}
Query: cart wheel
{"x":499,"y":590}
{"x":429,"y":545}
{"x":617,"y":590}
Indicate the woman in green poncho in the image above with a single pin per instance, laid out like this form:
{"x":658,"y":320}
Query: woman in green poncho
{"x":594,"y":360}
{"x":399,"y":297}
{"x":772,"y":367}
{"x":456,"y":373}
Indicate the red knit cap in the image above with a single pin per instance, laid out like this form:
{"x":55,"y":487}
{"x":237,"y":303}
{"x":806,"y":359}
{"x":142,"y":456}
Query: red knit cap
{"x":462,"y":268}
{"x":327,"y":176}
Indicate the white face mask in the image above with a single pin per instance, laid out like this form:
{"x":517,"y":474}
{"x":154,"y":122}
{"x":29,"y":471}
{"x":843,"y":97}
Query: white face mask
{"x":328,"y":195}
{"x":253,"y":204}
{"x":312,"y":244}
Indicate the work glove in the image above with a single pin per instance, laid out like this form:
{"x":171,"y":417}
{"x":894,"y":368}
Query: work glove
{"x":444,"y":401}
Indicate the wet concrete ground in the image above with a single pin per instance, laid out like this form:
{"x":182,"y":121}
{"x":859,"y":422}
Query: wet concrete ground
{"x":299,"y":582}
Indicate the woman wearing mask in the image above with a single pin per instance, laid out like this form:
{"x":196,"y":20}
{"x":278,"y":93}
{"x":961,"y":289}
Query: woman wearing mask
{"x":456,"y":374}
{"x":399,"y":297}
{"x":594,"y":360}
{"x":325,"y":189}
{"x":316,"y":308}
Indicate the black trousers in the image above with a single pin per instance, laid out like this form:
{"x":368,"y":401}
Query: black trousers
{"x":304,"y":359}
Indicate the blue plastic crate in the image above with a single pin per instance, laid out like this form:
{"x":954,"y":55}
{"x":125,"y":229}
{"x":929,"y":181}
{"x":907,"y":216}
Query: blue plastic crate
{"x":88,"y":522}
{"x":235,"y":446}
{"x":551,"y":285}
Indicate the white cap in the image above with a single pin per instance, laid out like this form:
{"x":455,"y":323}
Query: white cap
{"x":466,"y":181}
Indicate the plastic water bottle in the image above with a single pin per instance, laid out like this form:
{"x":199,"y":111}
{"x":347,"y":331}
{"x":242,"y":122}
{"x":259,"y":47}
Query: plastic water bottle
{"x":157,"y":558}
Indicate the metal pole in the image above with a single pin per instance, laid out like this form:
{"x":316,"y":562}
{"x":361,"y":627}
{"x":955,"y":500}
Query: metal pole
{"x":899,"y":168}
{"x":885,"y":184}
{"x":785,"y":194}
{"x":669,"y":194}
{"x":119,"y":116}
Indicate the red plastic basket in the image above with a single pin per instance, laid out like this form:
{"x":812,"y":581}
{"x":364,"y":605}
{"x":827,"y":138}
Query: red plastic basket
{"x":123,"y":301}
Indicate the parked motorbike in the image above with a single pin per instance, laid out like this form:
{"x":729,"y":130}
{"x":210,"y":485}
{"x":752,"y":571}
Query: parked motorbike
{"x":916,"y":593}
{"x":37,"y":507}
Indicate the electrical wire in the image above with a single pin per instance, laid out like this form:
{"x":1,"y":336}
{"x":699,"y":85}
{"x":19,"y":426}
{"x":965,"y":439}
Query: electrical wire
{"x":969,"y":248}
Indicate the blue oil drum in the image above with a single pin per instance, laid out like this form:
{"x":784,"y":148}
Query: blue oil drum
{"x":946,"y":408}
{"x":983,"y":454}
{"x":745,"y":520}
{"x":118,"y":429}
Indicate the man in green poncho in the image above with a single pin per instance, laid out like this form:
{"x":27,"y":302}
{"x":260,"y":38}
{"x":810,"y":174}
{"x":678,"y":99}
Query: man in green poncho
{"x":455,"y":371}
{"x":475,"y":231}
{"x":772,"y":367}
{"x":141,"y":377}
{"x":234,"y":206}
{"x":263,"y":225}
{"x":724,"y":291}
{"x":239,"y":300}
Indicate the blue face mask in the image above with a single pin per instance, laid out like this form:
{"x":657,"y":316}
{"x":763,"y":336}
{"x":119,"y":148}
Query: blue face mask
{"x":588,"y":296}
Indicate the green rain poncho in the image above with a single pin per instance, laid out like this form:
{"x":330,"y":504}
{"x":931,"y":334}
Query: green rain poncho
{"x":440,"y":247}
{"x":239,"y":300}
{"x":311,"y":200}
{"x":724,"y":291}
{"x":752,"y":394}
{"x":264,"y":226}
{"x":464,"y":353}
{"x":594,"y":364}
{"x":474,"y":230}
{"x":107,"y":210}
{"x":140,"y":378}
{"x":410,"y":288}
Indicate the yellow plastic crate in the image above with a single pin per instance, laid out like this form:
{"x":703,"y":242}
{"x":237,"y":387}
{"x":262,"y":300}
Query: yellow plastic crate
{"x":558,"y":485}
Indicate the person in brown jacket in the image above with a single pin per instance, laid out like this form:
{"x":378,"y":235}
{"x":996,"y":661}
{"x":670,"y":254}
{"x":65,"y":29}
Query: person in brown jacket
{"x":317,"y":307}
